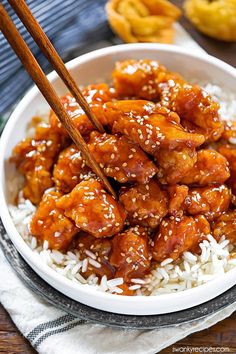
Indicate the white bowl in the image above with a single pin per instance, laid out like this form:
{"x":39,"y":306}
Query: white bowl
{"x":90,"y":68}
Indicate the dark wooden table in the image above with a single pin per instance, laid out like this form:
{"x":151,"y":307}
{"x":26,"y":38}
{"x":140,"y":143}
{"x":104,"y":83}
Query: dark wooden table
{"x":221,"y":335}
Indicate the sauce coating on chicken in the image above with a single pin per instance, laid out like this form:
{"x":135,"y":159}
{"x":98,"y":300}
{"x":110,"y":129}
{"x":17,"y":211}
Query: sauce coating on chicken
{"x":138,"y":78}
{"x":149,"y":125}
{"x":229,"y":152}
{"x":93,"y":209}
{"x":97,"y":251}
{"x":50,"y":224}
{"x":130,"y":254}
{"x":198,"y":111}
{"x":121,"y":159}
{"x":174,"y":165}
{"x":146,"y":205}
{"x":225,"y":225}
{"x":210,"y":168}
{"x":177,"y":194}
{"x":70,"y":169}
{"x":34,"y":158}
{"x":149,"y":80}
{"x":209,"y":201}
{"x":177,"y":235}
{"x":95,"y":95}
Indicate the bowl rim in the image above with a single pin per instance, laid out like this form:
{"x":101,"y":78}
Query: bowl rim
{"x":18,"y":241}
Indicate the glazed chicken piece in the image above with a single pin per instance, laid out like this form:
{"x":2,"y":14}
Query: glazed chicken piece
{"x":146,"y":205}
{"x":138,"y":78}
{"x":209,"y":201}
{"x":34,"y":158}
{"x":121,"y":159}
{"x":229,"y":152}
{"x":225,"y":226}
{"x":149,"y":80}
{"x":151,"y":126}
{"x":70,"y":169}
{"x":177,"y":195}
{"x":95,"y":95}
{"x":97,"y":252}
{"x":174,"y":165}
{"x":93,"y":209}
{"x":210,"y":168}
{"x":50,"y":224}
{"x":177,"y":235}
{"x":197,"y":110}
{"x":130,"y":254}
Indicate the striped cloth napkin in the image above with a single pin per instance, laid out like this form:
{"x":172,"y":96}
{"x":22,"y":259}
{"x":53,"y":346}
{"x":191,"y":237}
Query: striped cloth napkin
{"x":49,"y":330}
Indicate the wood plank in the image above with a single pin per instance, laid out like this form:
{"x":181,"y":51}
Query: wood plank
{"x":223,"y":334}
{"x":11,"y":340}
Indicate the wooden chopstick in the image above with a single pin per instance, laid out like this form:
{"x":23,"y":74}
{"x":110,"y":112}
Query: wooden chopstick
{"x":53,"y":57}
{"x":31,"y":65}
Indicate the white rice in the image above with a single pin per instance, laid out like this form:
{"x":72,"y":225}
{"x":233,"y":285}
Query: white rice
{"x":170,"y":276}
{"x":226,"y":99}
{"x":192,"y":270}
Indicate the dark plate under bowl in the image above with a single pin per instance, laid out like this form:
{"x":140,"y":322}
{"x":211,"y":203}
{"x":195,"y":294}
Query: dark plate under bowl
{"x":54,"y":297}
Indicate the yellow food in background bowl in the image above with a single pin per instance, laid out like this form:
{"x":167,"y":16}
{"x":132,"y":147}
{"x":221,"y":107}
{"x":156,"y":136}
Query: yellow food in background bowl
{"x":215,"y":18}
{"x":143,"y":20}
